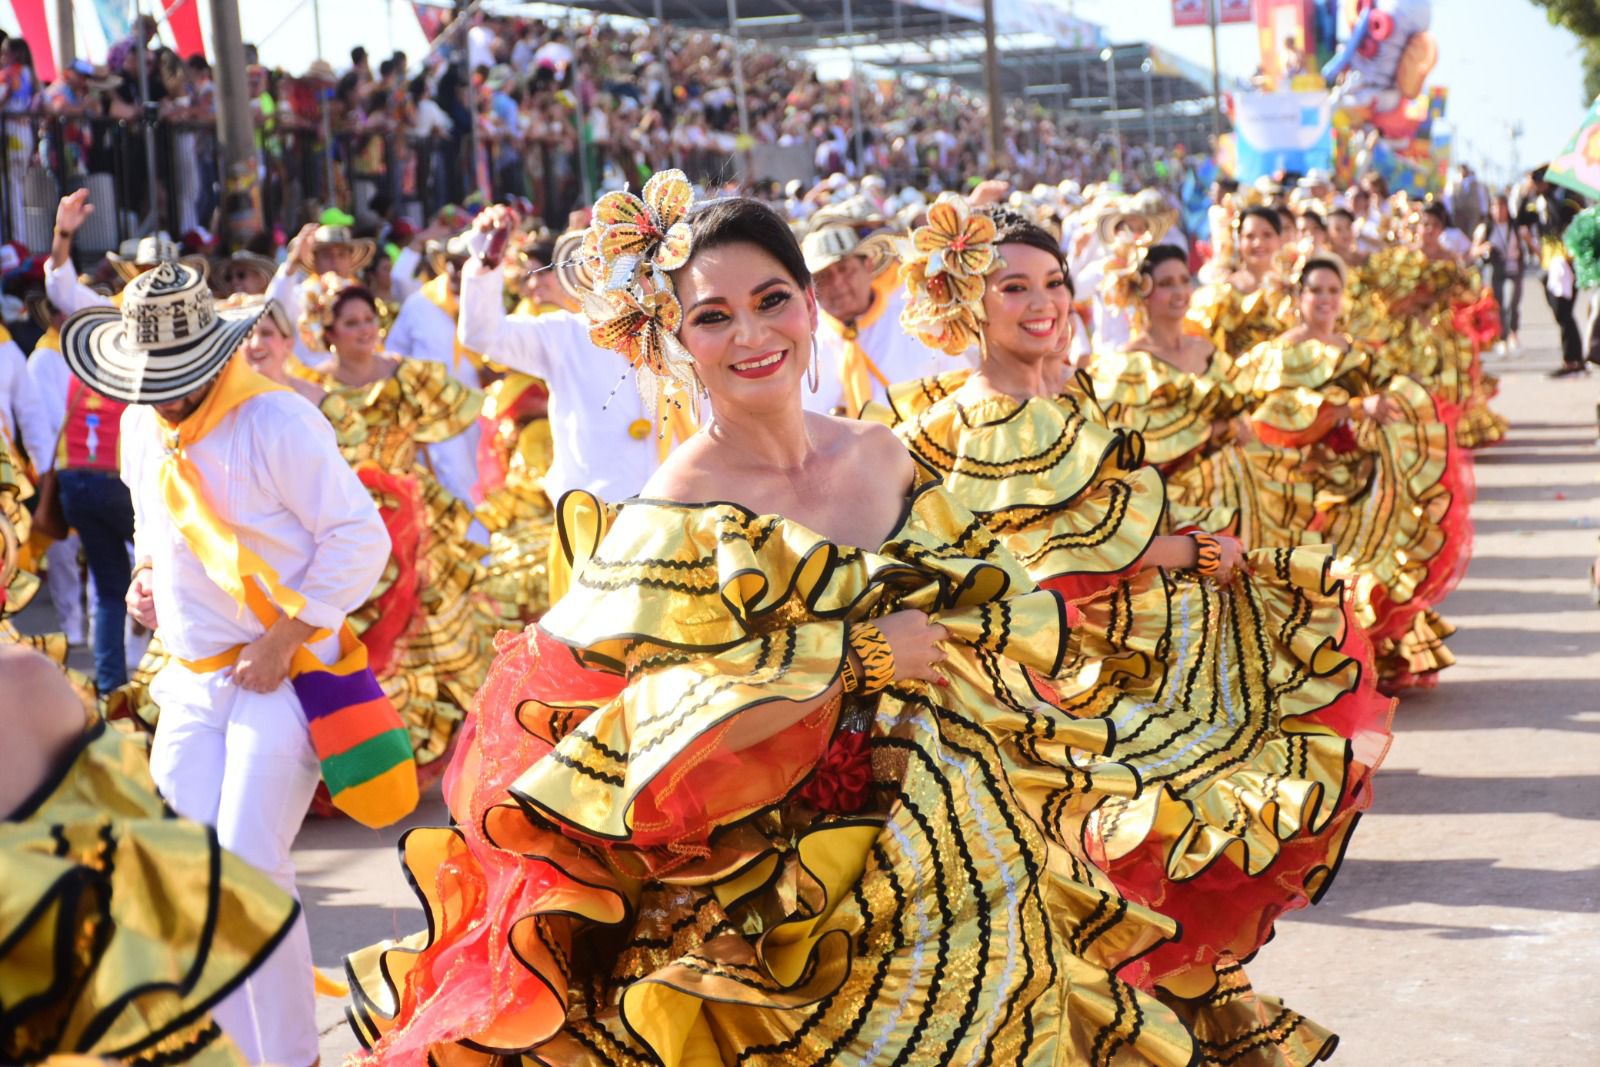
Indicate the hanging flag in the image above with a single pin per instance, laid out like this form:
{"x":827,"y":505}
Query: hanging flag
{"x":35,"y":28}
{"x":1190,"y":12}
{"x":1578,"y":166}
{"x":183,"y":17}
{"x":1235,"y":11}
{"x":431,"y":19}
{"x":115,"y":21}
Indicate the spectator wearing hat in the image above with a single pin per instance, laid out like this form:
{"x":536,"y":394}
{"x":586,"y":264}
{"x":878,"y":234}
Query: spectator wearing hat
{"x":254,"y":539}
{"x":862,"y":349}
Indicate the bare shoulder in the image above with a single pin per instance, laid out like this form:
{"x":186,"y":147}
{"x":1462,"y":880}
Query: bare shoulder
{"x":687,"y":475}
{"x":871,"y":444}
{"x":40,"y":725}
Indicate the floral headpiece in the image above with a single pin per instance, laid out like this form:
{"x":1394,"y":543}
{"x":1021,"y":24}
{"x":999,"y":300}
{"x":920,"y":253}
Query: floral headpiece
{"x":316,"y":308}
{"x":944,"y":265}
{"x":634,"y":243}
{"x":1125,"y":284}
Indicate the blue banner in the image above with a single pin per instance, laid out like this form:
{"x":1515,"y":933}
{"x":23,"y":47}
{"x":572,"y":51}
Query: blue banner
{"x":1283,"y":132}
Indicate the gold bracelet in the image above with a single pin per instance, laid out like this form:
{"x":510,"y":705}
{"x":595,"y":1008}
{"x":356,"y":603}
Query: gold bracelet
{"x":1208,"y":554}
{"x":877,"y":658}
{"x":144,"y":565}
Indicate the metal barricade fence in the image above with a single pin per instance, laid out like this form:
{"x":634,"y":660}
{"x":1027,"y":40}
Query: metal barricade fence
{"x":372,"y":175}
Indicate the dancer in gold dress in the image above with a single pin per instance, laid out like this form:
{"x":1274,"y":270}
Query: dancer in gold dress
{"x":753,"y":790}
{"x":1253,"y":690}
{"x":1247,"y":304}
{"x":427,"y":634}
{"x":1422,"y":304}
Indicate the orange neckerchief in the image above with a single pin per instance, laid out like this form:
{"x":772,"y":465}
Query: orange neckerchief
{"x":439,"y":295}
{"x":857,"y":371}
{"x":227,"y":562}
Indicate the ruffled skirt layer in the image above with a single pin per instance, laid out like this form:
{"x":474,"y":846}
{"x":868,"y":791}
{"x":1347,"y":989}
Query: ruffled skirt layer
{"x":937,"y":924}
{"x":1249,"y":715}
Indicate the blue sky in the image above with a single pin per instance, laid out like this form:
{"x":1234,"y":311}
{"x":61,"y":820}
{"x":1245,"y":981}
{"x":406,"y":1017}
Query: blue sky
{"x":1501,"y":59}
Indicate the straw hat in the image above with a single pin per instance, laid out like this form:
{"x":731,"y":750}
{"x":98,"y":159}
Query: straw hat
{"x":139,"y":254}
{"x":251,"y":261}
{"x":828,"y":244}
{"x":573,"y":271}
{"x":441,"y":252}
{"x":1149,"y":205}
{"x":167,"y":340}
{"x":329,"y":236}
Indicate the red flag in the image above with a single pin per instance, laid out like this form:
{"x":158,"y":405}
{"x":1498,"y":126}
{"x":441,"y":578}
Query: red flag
{"x":431,"y":18}
{"x":35,"y":28}
{"x":1189,"y":12}
{"x":185,"y":23}
{"x":1236,"y":11}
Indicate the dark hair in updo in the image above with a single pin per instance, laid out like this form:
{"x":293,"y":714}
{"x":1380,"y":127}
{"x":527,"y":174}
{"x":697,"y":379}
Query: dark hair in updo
{"x":347,"y":294}
{"x":1265,"y":214}
{"x":1438,"y":211}
{"x":1013,"y":227}
{"x":741,"y":220}
{"x":1159,"y":254}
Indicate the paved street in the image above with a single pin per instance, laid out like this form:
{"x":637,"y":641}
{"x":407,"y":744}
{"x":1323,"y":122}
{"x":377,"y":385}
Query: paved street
{"x":1464,"y":928}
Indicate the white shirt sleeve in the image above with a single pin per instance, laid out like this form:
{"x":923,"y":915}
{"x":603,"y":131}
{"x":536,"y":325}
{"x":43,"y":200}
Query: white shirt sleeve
{"x":403,"y":276}
{"x":67,"y":293}
{"x":50,"y":378}
{"x":300,"y":462}
{"x":517,"y":342}
{"x":401,"y":339}
{"x":132,"y":437}
{"x":27,"y":409}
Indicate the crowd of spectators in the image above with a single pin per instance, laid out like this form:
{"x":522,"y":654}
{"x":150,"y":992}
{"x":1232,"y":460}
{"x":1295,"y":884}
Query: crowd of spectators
{"x":516,"y":107}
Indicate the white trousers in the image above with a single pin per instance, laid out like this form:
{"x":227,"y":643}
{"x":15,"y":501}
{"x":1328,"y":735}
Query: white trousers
{"x":243,"y":762}
{"x":65,"y":582}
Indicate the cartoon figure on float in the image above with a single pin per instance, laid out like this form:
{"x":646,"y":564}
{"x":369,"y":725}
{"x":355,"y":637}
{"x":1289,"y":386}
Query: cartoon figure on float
{"x":1382,"y":64}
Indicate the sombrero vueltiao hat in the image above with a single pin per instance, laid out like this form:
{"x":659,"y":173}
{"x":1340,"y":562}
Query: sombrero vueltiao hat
{"x":40,"y":309}
{"x":1149,"y":205}
{"x":365,"y":248}
{"x":573,"y":269}
{"x":139,"y":254}
{"x":167,"y":340}
{"x":832,"y":242}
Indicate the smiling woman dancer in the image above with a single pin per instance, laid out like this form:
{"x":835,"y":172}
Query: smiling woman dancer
{"x":1247,"y":708}
{"x":750,"y":792}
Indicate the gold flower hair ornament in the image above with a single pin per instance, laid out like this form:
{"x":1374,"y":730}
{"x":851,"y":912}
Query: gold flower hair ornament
{"x":944,"y":266}
{"x":633,"y":244}
{"x":1124,"y":284}
{"x":316,"y":306}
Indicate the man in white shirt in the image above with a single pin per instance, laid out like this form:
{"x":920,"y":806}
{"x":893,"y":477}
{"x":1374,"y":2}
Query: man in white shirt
{"x":213,"y":453}
{"x":426,"y":329}
{"x":862,"y":349}
{"x":604,"y":439}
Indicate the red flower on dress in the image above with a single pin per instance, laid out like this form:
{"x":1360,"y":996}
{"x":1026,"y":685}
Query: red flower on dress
{"x":840,"y":784}
{"x":1341,"y":440}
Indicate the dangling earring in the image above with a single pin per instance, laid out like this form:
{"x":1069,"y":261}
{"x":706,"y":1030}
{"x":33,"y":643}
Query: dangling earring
{"x":813,"y":372}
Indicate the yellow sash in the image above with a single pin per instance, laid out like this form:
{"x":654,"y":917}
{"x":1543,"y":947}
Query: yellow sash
{"x":439,"y":295}
{"x":227,"y":562}
{"x":858,"y":371}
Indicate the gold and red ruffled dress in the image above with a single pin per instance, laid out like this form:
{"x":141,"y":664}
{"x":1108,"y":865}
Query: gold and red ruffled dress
{"x":1247,"y":712}
{"x":123,"y":924}
{"x":427,"y":631}
{"x":1215,"y":482}
{"x":514,"y":453}
{"x":1235,"y":321}
{"x":651,"y":863}
{"x":1393,"y":501}
{"x":1427,"y":318}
